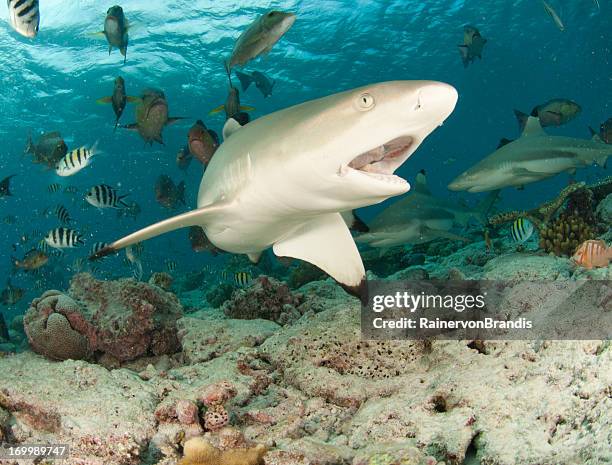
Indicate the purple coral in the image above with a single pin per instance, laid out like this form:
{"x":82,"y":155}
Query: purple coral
{"x":124,"y":319}
{"x":268,"y":299}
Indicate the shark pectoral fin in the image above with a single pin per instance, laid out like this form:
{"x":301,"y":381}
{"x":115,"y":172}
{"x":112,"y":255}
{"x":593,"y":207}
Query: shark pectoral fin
{"x":425,"y":231}
{"x":104,"y":100}
{"x":132,"y":99}
{"x":326,"y":242}
{"x":254,"y":257}
{"x":231,"y":126}
{"x":131,"y":127}
{"x":175,"y":119}
{"x":519,"y":171}
{"x":198,"y":217}
{"x":247,"y":108}
{"x":216,"y":110}
{"x":97,"y":35}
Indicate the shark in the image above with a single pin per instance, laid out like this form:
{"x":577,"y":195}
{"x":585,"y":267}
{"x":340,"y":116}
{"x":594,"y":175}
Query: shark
{"x":530,"y":158}
{"x":420,"y":217}
{"x":284,"y":180}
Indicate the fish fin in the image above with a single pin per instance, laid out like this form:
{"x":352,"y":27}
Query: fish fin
{"x":245,"y":80}
{"x":120,"y":200}
{"x":420,"y":184}
{"x":132,"y":99}
{"x":254,"y":257}
{"x":596,"y":138}
{"x":247,"y":108}
{"x":464,"y":51}
{"x":326,"y":242}
{"x":602,"y":161}
{"x":521,"y":118}
{"x":503,"y":141}
{"x":198,"y":217}
{"x":216,"y":110}
{"x":175,"y":119}
{"x":123,"y":52}
{"x":97,"y":35}
{"x":532,"y":128}
{"x":131,"y":127}
{"x":110,"y":49}
{"x":230,"y":127}
{"x":518,"y":171}
{"x":592,"y":131}
{"x":104,"y":100}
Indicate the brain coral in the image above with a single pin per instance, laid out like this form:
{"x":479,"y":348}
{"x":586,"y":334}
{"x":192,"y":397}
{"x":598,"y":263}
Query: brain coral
{"x":49,"y":330}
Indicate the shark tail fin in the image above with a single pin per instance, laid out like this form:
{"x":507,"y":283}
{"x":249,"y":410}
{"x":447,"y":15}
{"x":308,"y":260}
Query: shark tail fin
{"x":198,"y":217}
{"x":484,"y":207}
{"x":245,"y":80}
{"x":521,"y":118}
{"x":6,"y":184}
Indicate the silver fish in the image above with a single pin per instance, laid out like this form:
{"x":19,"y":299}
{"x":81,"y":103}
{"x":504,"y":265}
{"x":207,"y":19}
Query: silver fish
{"x":553,"y":14}
{"x":24,"y":17}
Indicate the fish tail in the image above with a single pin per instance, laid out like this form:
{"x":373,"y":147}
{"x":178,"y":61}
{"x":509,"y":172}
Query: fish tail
{"x":245,"y":80}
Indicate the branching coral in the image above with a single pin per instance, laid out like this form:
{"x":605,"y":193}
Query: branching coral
{"x":198,"y":451}
{"x":563,"y":235}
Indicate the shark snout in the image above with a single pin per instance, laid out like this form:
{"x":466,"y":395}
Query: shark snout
{"x":437,"y":98}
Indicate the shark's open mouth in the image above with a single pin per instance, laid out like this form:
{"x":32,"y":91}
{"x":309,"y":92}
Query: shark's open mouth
{"x":383,"y":160}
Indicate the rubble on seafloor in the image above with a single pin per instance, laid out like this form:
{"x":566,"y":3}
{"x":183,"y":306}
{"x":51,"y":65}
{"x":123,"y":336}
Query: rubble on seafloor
{"x":309,"y":391}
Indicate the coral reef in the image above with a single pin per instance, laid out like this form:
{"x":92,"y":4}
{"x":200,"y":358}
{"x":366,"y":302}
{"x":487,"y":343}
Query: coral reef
{"x":604,"y":210}
{"x":215,"y":395}
{"x":268,"y":299}
{"x":122,"y":319}
{"x":198,"y":451}
{"x":564,"y":234}
{"x":163,"y":280}
{"x":49,"y":331}
{"x":304,"y":273}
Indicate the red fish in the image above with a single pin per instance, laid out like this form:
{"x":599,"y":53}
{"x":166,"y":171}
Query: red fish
{"x":202,"y":142}
{"x":593,"y":254}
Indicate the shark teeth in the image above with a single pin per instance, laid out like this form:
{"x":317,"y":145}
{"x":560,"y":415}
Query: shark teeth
{"x":385,"y":158}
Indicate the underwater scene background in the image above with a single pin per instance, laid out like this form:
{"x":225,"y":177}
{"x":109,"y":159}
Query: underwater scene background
{"x":221,"y":308}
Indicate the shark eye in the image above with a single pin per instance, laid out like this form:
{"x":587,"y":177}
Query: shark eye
{"x":366,"y":101}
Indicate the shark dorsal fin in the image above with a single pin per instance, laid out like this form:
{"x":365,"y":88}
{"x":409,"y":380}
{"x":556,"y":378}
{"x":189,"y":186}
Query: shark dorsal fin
{"x":533,"y":128}
{"x":231,"y":126}
{"x":420,"y":184}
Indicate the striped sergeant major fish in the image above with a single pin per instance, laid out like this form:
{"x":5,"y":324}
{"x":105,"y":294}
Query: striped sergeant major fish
{"x":105,"y":196}
{"x":75,"y":160}
{"x":97,"y":247}
{"x":24,"y":17}
{"x":62,"y":214}
{"x":63,"y":238}
{"x":53,"y":188}
{"x":521,"y":230}
{"x":243,"y":279}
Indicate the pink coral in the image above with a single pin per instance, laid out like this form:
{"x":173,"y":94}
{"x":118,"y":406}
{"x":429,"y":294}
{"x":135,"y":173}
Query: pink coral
{"x":218,"y":393}
{"x":121,"y":319}
{"x":48,"y":326}
{"x":186,"y":412}
{"x":216,"y":417}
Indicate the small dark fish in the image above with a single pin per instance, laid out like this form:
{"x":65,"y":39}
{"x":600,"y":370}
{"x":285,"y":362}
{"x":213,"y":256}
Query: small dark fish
{"x":168,"y":194}
{"x":555,"y":112}
{"x":5,"y":186}
{"x":24,"y":17}
{"x":62,"y":238}
{"x":199,"y":241}
{"x":171,"y":265}
{"x":119,"y":99}
{"x":32,"y":260}
{"x":4,"y":334}
{"x":203,"y":142}
{"x":605,"y":131}
{"x":115,"y":30}
{"x":183,"y":158}
{"x":232,"y":107}
{"x":49,"y":149}
{"x":9,"y":219}
{"x":97,"y":247}
{"x":11,"y":295}
{"x":105,"y":196}
{"x":472,"y":46}
{"x":53,"y":188}
{"x":260,"y":37}
{"x":262,"y":82}
{"x":487,"y":240}
{"x":152,"y":116}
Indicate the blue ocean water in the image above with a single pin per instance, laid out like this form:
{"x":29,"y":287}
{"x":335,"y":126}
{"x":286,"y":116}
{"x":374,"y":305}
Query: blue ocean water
{"x":51,"y":83}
